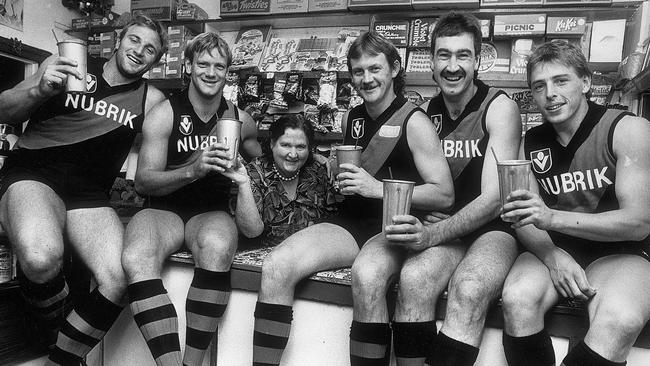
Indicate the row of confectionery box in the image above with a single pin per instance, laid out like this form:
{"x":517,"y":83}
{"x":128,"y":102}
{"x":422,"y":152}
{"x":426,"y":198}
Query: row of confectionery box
{"x":507,"y":42}
{"x":210,"y":9}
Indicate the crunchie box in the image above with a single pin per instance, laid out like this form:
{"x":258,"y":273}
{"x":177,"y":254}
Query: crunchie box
{"x":519,"y":25}
{"x":396,"y":31}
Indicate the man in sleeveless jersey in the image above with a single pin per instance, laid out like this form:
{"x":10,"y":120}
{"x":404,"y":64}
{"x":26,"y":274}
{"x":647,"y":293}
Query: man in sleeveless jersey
{"x":55,"y":183}
{"x":585,"y":220}
{"x":186,"y":173}
{"x":400,"y":142}
{"x":468,"y":250}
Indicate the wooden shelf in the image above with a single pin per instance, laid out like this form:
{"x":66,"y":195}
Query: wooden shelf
{"x":497,"y":80}
{"x":178,"y":83}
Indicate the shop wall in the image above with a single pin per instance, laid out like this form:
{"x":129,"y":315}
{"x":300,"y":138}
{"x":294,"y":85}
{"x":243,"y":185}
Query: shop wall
{"x":39,"y":17}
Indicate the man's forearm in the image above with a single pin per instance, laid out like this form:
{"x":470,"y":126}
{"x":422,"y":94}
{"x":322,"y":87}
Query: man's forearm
{"x":610,"y":226}
{"x":468,"y":219}
{"x":17,"y":104}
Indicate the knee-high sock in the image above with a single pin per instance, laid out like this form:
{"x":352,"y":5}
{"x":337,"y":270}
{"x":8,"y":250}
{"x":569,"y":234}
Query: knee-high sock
{"x":532,"y":350}
{"x":83,"y":329}
{"x":413,"y":341}
{"x":450,"y":352}
{"x":206,"y":302}
{"x":272,"y":327}
{"x":369,"y":344}
{"x":156,"y":317}
{"x":47,"y":302}
{"x":582,"y":355}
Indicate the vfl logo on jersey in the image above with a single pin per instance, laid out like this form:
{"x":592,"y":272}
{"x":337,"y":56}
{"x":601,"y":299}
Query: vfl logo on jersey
{"x":186,"y":127}
{"x":91,"y":83}
{"x":358,"y":128}
{"x":542,"y":160}
{"x":437,"y":122}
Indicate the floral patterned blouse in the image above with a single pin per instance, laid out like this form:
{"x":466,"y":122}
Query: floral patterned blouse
{"x":282,"y":216}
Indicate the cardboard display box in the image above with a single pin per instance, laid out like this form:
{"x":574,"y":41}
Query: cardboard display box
{"x":495,"y":57}
{"x":396,"y":31}
{"x":420,"y":32}
{"x":289,"y":6}
{"x":519,"y":25}
{"x":375,"y":4}
{"x":239,"y":7}
{"x":438,"y":4}
{"x":327,"y":5}
{"x":155,"y":9}
{"x":510,"y":3}
{"x":566,"y":26}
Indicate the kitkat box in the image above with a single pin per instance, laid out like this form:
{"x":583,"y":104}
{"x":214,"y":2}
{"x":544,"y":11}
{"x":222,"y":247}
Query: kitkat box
{"x":566,"y":26}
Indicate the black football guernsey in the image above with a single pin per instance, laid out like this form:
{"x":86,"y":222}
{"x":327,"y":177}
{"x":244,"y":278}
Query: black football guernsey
{"x":579,"y":177}
{"x":464,"y":140}
{"x":89,"y":133}
{"x":189,"y":133}
{"x":360,"y":128}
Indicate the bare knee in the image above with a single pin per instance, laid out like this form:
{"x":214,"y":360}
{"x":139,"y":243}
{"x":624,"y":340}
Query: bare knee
{"x":522,"y":301}
{"x":617,"y":322}
{"x":416,"y":289}
{"x":40,"y":266}
{"x":139,"y":258}
{"x":277,"y":272}
{"x":214,"y":250}
{"x":470,"y":293}
{"x":370,"y":282}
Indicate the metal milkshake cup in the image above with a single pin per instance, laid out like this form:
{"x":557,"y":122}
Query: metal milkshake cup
{"x":397,"y":199}
{"x":229,"y":132}
{"x":75,"y":49}
{"x":513,"y":175}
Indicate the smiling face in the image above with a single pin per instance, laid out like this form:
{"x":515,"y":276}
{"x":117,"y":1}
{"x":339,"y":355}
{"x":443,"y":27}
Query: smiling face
{"x":454,"y":63}
{"x":208,"y":72}
{"x":559,"y":92}
{"x":290,"y":151}
{"x":137,"y":51}
{"x":372,"y":77}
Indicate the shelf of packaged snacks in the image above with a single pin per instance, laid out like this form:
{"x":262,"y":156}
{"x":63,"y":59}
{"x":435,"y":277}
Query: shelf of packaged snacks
{"x":282,"y":74}
{"x":319,"y":137}
{"x":363,"y":17}
{"x":195,"y":25}
{"x":639,"y":83}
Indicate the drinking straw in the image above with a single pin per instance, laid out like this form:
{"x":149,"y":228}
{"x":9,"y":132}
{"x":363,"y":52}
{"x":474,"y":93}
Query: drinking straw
{"x":55,"y":37}
{"x":390,"y":172}
{"x":495,"y":155}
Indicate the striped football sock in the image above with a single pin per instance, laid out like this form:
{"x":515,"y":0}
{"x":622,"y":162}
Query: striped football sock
{"x":272,"y":327}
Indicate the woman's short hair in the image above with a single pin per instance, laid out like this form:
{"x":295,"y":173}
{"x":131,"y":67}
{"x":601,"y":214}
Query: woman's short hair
{"x":145,"y":21}
{"x":208,"y":41}
{"x":561,"y":52}
{"x":278,"y":127}
{"x":372,"y":43}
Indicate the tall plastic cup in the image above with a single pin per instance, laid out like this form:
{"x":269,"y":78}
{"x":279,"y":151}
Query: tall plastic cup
{"x":229,"y":132}
{"x":348,"y":154}
{"x":77,"y":50}
{"x":397,"y":199}
{"x":513,"y":175}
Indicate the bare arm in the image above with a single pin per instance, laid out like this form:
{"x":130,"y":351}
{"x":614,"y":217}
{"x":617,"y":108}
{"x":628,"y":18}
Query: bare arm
{"x":247,"y":217}
{"x":504,"y":126}
{"x":151,"y":177}
{"x":18,"y":103}
{"x":437,"y":192}
{"x":631,"y":221}
{"x":250,"y":147}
